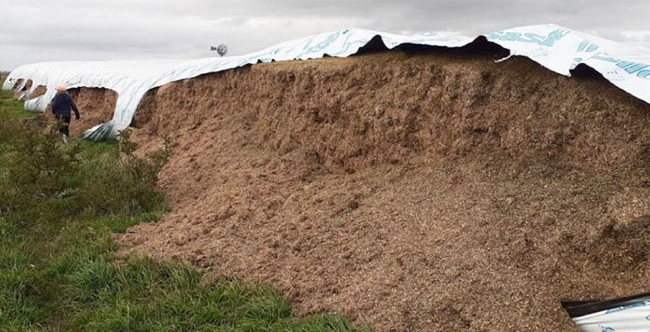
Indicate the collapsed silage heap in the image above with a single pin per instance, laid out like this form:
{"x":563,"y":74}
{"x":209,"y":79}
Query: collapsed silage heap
{"x":415,"y":189}
{"x":407,"y":190}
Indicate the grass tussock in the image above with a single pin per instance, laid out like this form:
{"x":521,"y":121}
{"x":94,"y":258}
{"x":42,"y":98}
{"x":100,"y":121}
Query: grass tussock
{"x":59,"y":206}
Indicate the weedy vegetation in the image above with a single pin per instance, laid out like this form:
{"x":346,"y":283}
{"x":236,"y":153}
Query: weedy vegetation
{"x":60,"y":205}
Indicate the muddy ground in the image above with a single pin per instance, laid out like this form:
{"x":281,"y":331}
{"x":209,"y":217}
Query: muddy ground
{"x":411,"y":190}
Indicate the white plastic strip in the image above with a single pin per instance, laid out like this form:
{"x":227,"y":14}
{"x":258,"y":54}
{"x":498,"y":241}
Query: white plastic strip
{"x":631,"y":317}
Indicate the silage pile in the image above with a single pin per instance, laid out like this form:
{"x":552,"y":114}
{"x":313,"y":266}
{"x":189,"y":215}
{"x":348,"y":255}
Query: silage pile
{"x":407,"y":190}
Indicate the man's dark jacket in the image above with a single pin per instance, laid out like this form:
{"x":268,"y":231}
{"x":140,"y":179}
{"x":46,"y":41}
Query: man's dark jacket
{"x":62,"y":104}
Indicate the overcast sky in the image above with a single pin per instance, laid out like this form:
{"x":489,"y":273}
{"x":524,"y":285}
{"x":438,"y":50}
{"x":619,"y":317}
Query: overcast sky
{"x":47,"y":30}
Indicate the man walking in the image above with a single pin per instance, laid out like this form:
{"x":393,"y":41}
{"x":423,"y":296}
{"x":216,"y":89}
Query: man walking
{"x":62,"y":104}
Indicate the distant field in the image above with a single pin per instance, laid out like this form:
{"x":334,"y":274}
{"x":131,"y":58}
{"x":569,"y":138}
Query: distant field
{"x":3,"y":76}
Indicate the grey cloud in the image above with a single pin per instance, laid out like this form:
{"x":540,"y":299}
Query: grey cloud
{"x":171,"y":28}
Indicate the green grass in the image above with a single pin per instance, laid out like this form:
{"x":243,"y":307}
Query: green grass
{"x":59,"y":208}
{"x":11,"y":110}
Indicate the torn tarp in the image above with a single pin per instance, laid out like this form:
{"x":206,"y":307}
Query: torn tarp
{"x":554,"y":47}
{"x":627,"y":314}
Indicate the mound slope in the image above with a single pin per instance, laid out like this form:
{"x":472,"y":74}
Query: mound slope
{"x":96,"y":106}
{"x":407,"y":190}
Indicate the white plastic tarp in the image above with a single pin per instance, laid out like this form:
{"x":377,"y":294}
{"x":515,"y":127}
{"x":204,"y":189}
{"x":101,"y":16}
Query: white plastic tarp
{"x":556,"y":48}
{"x":625,"y":315}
